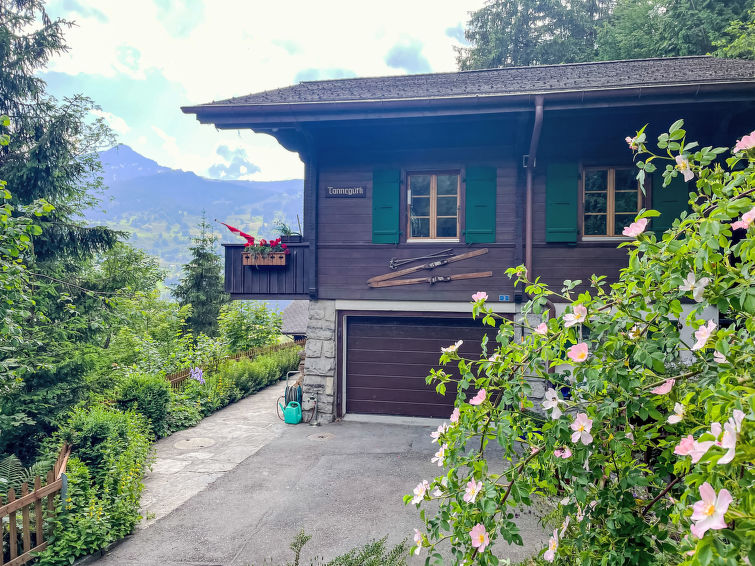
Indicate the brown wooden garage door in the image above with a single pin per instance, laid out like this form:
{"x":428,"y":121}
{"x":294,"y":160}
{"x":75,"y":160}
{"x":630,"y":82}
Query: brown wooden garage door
{"x":388,"y":358}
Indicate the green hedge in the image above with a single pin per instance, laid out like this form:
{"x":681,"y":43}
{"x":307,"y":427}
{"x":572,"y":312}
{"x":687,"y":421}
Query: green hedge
{"x":110,"y":447}
{"x":149,"y":395}
{"x":234,"y":380}
{"x":110,"y":454}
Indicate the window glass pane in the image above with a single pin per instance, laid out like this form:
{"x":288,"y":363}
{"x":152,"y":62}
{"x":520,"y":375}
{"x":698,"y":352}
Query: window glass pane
{"x":420,"y":228}
{"x":621,"y":221}
{"x":448,"y":184}
{"x":446,"y":228}
{"x":626,"y":180}
{"x":596,"y":180}
{"x":419,"y":185}
{"x":626,"y":201}
{"x":446,"y":206}
{"x":595,"y":225}
{"x":420,"y":206}
{"x":596,"y":202}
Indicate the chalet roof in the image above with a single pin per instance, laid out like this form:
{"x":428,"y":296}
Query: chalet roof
{"x":596,"y":76}
{"x":295,"y":318}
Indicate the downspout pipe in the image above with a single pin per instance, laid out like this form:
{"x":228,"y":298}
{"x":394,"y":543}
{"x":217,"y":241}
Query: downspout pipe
{"x":531,"y":163}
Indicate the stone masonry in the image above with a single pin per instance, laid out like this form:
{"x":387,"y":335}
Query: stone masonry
{"x":320,"y":361}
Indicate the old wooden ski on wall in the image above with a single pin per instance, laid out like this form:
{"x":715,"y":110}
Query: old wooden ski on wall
{"x":426,"y":266}
{"x":430,"y":280}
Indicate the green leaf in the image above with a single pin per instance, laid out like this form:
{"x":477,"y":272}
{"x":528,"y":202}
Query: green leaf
{"x":676,"y":126}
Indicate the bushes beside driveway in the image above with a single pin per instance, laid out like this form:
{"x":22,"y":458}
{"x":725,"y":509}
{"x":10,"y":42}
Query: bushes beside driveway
{"x":111,"y":440}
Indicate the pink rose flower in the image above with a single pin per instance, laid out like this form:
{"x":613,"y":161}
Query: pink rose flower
{"x":747,"y":219}
{"x":747,"y":142}
{"x":699,"y":450}
{"x":685,"y":446}
{"x":678,"y":414}
{"x":452,"y":348}
{"x":436,"y":434}
{"x":551,"y":402}
{"x":419,"y":491}
{"x":578,"y":315}
{"x":480,"y":296}
{"x":454,"y":418}
{"x":563,"y":453}
{"x":632,"y":142}
{"x":473,"y":488}
{"x":440,"y":456}
{"x":636,"y":228}
{"x":479,"y":398}
{"x":578,"y":352}
{"x":719,"y":358}
{"x":480,"y":538}
{"x":418,"y":542}
{"x":697,"y":287}
{"x":582,"y":427}
{"x":708,"y":513}
{"x":728,"y":442}
{"x":541,"y":329}
{"x":550,"y":554}
{"x":682,"y":163}
{"x":664,"y":388}
{"x":702,"y":335}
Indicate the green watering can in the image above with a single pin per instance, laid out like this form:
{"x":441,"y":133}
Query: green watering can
{"x":292,"y":413}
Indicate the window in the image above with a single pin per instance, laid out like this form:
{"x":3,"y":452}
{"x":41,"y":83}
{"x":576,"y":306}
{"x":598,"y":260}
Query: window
{"x":433,"y":200}
{"x":611,"y":200}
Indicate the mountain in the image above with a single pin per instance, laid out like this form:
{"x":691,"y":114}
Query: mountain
{"x":161,"y":207}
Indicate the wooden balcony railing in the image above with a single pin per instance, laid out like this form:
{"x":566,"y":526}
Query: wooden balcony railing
{"x":250,"y":282}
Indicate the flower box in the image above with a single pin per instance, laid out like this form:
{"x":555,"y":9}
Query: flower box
{"x":271,"y":259}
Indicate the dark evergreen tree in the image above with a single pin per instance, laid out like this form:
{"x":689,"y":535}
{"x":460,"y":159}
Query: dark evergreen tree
{"x":201,"y":285}
{"x":667,"y":28}
{"x":52,"y":155}
{"x":534,"y":32}
{"x":53,"y":149}
{"x":507,"y":33}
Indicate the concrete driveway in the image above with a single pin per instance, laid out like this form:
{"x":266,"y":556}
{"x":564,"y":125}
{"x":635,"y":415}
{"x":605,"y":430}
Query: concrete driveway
{"x":342,"y":483}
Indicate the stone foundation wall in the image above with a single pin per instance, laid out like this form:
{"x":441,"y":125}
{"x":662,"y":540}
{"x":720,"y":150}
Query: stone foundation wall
{"x":320,"y":361}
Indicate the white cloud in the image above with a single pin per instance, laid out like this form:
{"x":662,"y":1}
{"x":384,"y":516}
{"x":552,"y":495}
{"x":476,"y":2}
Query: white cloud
{"x":242,"y":47}
{"x":117,"y":123}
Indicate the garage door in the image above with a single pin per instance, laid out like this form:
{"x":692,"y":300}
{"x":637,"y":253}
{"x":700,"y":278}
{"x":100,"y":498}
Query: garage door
{"x":388,"y":358}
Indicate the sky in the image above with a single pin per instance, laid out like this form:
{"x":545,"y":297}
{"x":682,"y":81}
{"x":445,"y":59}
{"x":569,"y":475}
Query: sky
{"x":141,"y":60}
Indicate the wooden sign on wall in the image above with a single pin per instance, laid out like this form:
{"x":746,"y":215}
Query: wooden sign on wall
{"x":346,"y":191}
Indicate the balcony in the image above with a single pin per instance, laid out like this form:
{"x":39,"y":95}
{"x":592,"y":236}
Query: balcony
{"x":249,"y":282}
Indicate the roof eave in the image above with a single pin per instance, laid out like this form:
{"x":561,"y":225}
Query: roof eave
{"x":226,"y":116}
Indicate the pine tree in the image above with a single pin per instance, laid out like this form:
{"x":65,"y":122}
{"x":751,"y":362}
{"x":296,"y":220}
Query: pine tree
{"x":201,"y":285}
{"x":53,"y":149}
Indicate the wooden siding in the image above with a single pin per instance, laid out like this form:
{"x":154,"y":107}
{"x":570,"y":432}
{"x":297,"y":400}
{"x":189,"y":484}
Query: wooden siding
{"x":249,"y":282}
{"x":340,"y":229}
{"x":347,"y":258}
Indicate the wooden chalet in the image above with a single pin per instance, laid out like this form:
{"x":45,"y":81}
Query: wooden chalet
{"x":521,"y":165}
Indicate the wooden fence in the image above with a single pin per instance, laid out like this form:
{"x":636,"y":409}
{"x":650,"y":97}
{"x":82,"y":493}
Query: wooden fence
{"x":177,"y":378}
{"x":33,"y":510}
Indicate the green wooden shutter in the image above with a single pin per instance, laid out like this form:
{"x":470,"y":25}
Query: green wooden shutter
{"x":669,"y":201}
{"x":479,"y":203}
{"x":386,"y":189}
{"x":561,"y":194}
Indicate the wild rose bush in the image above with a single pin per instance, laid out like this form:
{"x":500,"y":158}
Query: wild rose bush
{"x":644,"y":443}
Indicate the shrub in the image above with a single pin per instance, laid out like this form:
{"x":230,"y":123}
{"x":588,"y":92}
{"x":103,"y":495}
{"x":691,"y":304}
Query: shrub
{"x":110,"y":452}
{"x":149,"y":395}
{"x":183,"y":412}
{"x":649,"y":458}
{"x":97,"y":433}
{"x":245,"y":325}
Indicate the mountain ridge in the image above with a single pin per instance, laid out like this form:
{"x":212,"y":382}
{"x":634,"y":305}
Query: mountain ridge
{"x":161,"y":207}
